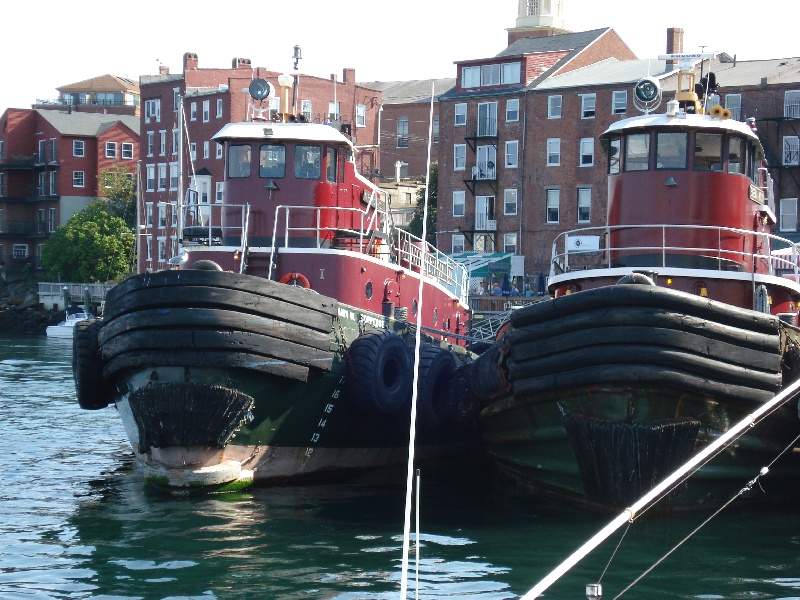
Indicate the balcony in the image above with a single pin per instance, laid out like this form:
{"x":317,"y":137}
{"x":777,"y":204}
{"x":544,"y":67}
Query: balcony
{"x":483,"y":222}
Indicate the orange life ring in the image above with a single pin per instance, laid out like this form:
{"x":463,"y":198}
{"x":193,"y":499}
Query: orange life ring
{"x":296,"y":279}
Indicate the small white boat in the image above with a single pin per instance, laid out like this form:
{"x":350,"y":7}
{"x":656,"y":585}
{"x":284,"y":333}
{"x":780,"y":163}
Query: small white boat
{"x":66,"y":327}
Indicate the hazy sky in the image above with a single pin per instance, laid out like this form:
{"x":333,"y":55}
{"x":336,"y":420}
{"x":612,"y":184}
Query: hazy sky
{"x":64,"y":42}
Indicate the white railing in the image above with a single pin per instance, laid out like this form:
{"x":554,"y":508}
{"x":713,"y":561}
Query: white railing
{"x":207,"y":224}
{"x":392,"y":245}
{"x":721,"y":255}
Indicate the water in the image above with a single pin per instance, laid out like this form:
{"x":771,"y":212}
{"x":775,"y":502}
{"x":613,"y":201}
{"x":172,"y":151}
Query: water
{"x":77,"y":522}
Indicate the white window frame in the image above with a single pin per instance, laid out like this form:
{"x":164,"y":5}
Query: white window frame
{"x":459,"y":157}
{"x":512,"y":154}
{"x":220,"y":108}
{"x":127,"y":151}
{"x":148,"y":212}
{"x":510,"y":202}
{"x":162,"y":215}
{"x":162,"y":142}
{"x":19,"y":251}
{"x":459,"y":203}
{"x":791,"y":150}
{"x":586,"y":155}
{"x":162,"y":177}
{"x":791,"y":104}
{"x":584,"y":205}
{"x":470,"y":77}
{"x":361,"y":115}
{"x":193,"y":150}
{"x":111,"y":149}
{"x":162,"y":248}
{"x":206,"y":111}
{"x":588,"y":106}
{"x":51,"y":220}
{"x":554,"y":105}
{"x":306,"y":109}
{"x":512,"y":110}
{"x":733,"y":102}
{"x":619,"y":102}
{"x":193,"y":111}
{"x":206,"y":149}
{"x":788,"y":217}
{"x":510,"y":243}
{"x":553,"y":208}
{"x":510,"y":73}
{"x":219,"y":192}
{"x":174,"y":176}
{"x":490,"y":75}
{"x":460,"y":114}
{"x":150,"y":178}
{"x":78,"y":179}
{"x":175,"y":141}
{"x":553,"y":152}
{"x":149,"y":245}
{"x":457,"y":244}
{"x":150,"y":143}
{"x":78,"y":148}
{"x":219,"y":150}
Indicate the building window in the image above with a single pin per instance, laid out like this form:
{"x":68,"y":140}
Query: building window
{"x":587,"y":152}
{"x":470,"y":77}
{"x":162,"y":177}
{"x":461,"y":114}
{"x":206,"y":149}
{"x":788,"y":214}
{"x":111,"y":149}
{"x":490,"y":75}
{"x":150,"y":181}
{"x":552,"y":206}
{"x":173,"y":209}
{"x":175,"y":142}
{"x":193,"y":150}
{"x":619,"y":102}
{"x":20,"y":251}
{"x":53,"y":183}
{"x":176,"y":99}
{"x":162,"y":249}
{"x":587,"y":106}
{"x":458,"y":203}
{"x":127,"y":150}
{"x":162,"y":142}
{"x":484,"y":213}
{"x":78,"y":179}
{"x":733,"y":102}
{"x":305,"y":109}
{"x":162,"y":215}
{"x":791,"y":150}
{"x":78,"y":148}
{"x":554,"y":107}
{"x":510,"y":73}
{"x":361,"y":115}
{"x":584,"y":205}
{"x":553,"y":152}
{"x":333,"y":111}
{"x":148,"y":241}
{"x":459,"y":157}
{"x":173,"y":176}
{"x":510,"y":243}
{"x":510,"y":202}
{"x":193,"y":111}
{"x":219,"y":149}
{"x":219,"y":108}
{"x":512,"y":110}
{"x":219,"y":192}
{"x":458,"y":243}
{"x":487,"y":119}
{"x":150,"y":143}
{"x":402,"y":132}
{"x":152,"y":110}
{"x":206,"y":110}
{"x":51,"y":220}
{"x":436,"y":129}
{"x":791,"y":104}
{"x":512,"y":154}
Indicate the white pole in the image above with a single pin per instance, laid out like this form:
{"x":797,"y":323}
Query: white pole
{"x":414,"y":389}
{"x":630,"y":513}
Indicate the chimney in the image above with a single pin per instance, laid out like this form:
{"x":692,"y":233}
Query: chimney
{"x":189,"y":61}
{"x":349,"y":76}
{"x":240,"y":63}
{"x":163,"y":70}
{"x":674,"y":44}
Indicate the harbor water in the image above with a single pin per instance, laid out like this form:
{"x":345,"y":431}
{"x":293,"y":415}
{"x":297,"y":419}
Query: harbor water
{"x":76,"y":521}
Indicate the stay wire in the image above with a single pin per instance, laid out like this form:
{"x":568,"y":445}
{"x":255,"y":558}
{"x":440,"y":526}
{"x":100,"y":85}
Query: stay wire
{"x":746,"y":488}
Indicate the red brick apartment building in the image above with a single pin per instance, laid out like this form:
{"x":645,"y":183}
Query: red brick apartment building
{"x":211,"y":98}
{"x":49,"y":166}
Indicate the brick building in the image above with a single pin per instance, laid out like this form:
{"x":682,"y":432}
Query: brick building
{"x":211,"y":98}
{"x":49,"y":166}
{"x":102,"y":94}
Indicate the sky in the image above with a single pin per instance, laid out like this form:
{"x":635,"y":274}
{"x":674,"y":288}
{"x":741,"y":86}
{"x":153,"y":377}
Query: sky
{"x":413,"y":39}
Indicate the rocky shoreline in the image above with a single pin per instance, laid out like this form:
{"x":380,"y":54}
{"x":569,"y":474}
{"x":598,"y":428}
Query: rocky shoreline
{"x":21,"y":312}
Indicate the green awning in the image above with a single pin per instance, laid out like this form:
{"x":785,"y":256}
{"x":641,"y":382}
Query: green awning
{"x":480,"y":264}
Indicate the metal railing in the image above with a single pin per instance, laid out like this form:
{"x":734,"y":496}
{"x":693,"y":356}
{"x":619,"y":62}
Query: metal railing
{"x":389,"y":244}
{"x":567,"y":255}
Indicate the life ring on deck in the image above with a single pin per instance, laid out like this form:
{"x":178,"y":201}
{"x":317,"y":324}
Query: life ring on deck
{"x":296,"y":279}
{"x":87,"y":367}
{"x":378,"y":372}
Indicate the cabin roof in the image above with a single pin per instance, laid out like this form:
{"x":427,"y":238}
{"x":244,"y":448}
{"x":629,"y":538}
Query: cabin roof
{"x":409,"y":92}
{"x":682,"y":122}
{"x":264,"y":130}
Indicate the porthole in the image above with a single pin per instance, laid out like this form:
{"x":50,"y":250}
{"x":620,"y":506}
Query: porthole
{"x":435,"y":316}
{"x":414,"y":307}
{"x":368,"y":290}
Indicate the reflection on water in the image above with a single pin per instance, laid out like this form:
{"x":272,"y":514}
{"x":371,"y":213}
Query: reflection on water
{"x":77,"y":522}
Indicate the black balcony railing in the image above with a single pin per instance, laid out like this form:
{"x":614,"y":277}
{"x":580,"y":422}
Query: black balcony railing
{"x":487,"y":128}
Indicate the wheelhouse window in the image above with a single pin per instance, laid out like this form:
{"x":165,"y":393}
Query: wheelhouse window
{"x":613,"y":156}
{"x":239,"y":161}
{"x":736,"y":155}
{"x":330,"y":165}
{"x":671,"y":150}
{"x":272,"y":161}
{"x":708,"y":152}
{"x":307,"y":162}
{"x":637,"y":151}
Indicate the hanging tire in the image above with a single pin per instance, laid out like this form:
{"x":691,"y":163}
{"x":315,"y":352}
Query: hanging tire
{"x":435,"y":404}
{"x":378,"y":378}
{"x":205,"y":265}
{"x":87,"y":367}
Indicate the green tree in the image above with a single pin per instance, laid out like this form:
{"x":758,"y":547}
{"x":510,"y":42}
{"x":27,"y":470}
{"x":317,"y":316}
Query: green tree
{"x":94,"y":247}
{"x":415,"y":226}
{"x":120,"y":189}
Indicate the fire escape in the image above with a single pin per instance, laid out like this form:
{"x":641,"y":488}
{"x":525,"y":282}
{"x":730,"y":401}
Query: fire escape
{"x":482,"y":180}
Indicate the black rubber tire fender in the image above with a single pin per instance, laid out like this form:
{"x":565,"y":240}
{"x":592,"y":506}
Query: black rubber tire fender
{"x":87,"y":367}
{"x":435,"y":404}
{"x":379,"y":373}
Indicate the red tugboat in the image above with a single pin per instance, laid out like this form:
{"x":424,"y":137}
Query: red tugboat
{"x":283,"y":346}
{"x":666,"y":327}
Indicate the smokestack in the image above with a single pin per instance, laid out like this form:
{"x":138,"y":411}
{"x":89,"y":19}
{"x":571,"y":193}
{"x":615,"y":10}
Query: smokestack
{"x":674,"y":44}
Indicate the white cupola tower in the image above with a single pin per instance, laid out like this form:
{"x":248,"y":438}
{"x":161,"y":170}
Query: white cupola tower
{"x":538,"y":18}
